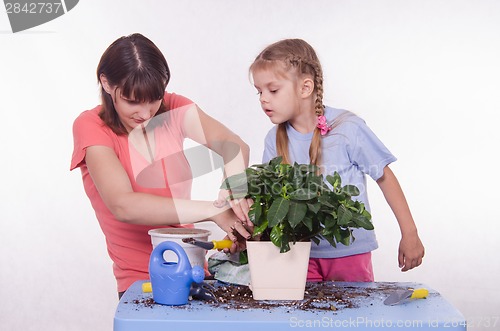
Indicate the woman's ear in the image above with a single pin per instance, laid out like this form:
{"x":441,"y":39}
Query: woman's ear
{"x":307,"y":88}
{"x":105,"y":84}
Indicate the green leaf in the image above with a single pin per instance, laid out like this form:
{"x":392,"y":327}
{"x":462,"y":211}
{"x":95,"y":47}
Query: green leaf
{"x":278,"y":211}
{"x":343,"y":236}
{"x":363,"y":222}
{"x":336,"y":196}
{"x":316,"y":240}
{"x":350,"y":190}
{"x":255,"y":211}
{"x":258,"y":230}
{"x":334,"y":180}
{"x":307,"y":168}
{"x":255,"y":187}
{"x":243,"y":257}
{"x":344,"y":215}
{"x":308,"y":222}
{"x":314,"y":207}
{"x":330,"y":221}
{"x":235,"y":182}
{"x":285,"y":243}
{"x":276,"y":235}
{"x":275,"y":162}
{"x":296,"y":213}
{"x":303,"y":194}
{"x":285,"y":246}
{"x":315,"y":183}
{"x":297,"y":178}
{"x":327,"y":201}
{"x":329,"y":234}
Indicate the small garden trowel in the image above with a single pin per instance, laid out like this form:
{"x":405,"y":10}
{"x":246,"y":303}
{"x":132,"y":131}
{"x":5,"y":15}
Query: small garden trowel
{"x":214,"y":244}
{"x":400,"y":296}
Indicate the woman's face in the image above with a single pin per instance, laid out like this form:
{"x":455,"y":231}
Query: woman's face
{"x":131,"y":112}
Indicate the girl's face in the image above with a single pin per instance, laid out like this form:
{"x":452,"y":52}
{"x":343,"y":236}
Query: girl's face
{"x":277,"y":95}
{"x":131,"y":112}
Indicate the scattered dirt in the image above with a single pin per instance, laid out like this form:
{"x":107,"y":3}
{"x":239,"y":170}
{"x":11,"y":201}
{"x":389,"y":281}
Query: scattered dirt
{"x":149,"y":303}
{"x":317,"y":297}
{"x":320,"y":296}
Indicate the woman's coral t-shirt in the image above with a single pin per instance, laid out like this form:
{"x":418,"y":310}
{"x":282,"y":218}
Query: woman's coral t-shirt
{"x":164,"y":171}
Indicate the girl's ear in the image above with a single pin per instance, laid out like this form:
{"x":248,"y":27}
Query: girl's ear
{"x":307,"y":88}
{"x":105,"y":84}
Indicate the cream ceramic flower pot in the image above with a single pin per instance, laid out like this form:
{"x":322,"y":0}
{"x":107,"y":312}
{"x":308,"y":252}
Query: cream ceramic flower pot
{"x":275,"y":275}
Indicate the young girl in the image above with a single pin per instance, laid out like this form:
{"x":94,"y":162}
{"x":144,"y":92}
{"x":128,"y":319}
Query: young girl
{"x":289,"y":81}
{"x":131,"y":156}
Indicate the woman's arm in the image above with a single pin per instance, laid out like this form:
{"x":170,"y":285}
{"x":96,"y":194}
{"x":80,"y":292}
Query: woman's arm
{"x":235,"y":152}
{"x":411,"y":249}
{"x":128,"y":206}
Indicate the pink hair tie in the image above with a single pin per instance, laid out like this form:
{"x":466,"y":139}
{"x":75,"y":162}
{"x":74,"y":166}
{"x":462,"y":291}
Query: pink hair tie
{"x":322,"y":126}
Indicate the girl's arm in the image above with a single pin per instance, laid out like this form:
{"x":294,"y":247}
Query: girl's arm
{"x":235,"y":152}
{"x":128,"y":206}
{"x":411,"y":249}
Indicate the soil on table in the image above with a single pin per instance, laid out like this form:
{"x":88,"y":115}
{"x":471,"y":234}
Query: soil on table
{"x":317,"y":296}
{"x":320,"y":296}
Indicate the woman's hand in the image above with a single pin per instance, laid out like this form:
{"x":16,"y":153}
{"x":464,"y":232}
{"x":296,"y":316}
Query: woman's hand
{"x":235,"y":229}
{"x":240,"y":207}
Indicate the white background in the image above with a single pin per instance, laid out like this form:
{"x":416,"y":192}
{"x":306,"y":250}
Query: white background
{"x":424,"y":74}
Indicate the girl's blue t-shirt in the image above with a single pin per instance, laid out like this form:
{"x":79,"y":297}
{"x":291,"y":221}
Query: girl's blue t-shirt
{"x":352,"y":150}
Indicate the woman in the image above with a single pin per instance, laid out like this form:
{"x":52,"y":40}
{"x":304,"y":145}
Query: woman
{"x":130,"y":152}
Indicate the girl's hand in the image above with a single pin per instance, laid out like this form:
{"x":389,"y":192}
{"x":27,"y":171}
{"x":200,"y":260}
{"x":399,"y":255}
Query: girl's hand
{"x":411,"y":252}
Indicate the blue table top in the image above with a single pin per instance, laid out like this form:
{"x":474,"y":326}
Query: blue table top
{"x":355,"y":306}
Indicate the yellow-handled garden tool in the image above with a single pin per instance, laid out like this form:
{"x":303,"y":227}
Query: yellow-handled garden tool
{"x":400,"y":296}
{"x":214,"y":244}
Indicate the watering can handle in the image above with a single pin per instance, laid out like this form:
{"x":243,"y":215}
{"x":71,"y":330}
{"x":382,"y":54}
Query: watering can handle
{"x":158,"y":260}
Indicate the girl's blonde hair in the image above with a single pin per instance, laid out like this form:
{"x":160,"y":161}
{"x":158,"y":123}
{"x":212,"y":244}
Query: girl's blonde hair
{"x":298,"y":56}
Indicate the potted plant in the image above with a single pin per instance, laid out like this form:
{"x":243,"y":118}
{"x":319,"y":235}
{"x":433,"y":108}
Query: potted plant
{"x":292,"y":206}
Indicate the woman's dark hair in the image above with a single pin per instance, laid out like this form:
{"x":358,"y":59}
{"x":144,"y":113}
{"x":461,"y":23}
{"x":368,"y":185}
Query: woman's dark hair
{"x":135,"y":65}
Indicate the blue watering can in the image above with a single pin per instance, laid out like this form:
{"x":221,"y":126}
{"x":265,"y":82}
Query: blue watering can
{"x":171,"y":281}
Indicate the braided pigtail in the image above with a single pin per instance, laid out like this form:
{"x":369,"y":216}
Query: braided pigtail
{"x":315,"y":148}
{"x":282,"y":143}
